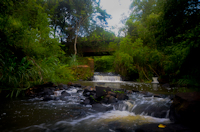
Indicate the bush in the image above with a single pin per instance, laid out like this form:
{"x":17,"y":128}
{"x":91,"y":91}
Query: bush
{"x":104,"y":63}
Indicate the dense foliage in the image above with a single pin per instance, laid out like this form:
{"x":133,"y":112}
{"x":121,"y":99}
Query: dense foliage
{"x":162,"y":39}
{"x":30,"y":35}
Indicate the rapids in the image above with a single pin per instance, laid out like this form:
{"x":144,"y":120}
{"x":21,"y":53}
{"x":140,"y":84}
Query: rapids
{"x":70,"y":115}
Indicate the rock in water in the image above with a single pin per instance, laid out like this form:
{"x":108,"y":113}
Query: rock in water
{"x":101,"y":91}
{"x":186,"y":109}
{"x":112,"y":99}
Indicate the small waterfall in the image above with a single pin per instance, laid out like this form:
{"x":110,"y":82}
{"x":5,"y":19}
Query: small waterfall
{"x":151,"y":106}
{"x":109,"y":77}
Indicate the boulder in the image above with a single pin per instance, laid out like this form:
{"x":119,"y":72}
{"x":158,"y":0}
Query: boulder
{"x":49,"y":84}
{"x":88,"y":91}
{"x":74,"y":84}
{"x":48,"y":91}
{"x":63,"y":87}
{"x":86,"y":101}
{"x":101,"y":108}
{"x":122,"y":96}
{"x":47,"y":98}
{"x":157,"y":96}
{"x":185,"y":108}
{"x":135,"y":91}
{"x":112,"y":93}
{"x":102,"y":91}
{"x":112,"y":99}
{"x":129,"y":91}
{"x":105,"y":100}
{"x":63,"y":94}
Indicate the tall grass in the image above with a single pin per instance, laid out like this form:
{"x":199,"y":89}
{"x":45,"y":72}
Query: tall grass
{"x":17,"y":76}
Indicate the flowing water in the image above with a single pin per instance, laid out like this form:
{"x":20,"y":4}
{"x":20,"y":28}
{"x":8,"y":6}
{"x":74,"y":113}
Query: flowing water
{"x":69,"y":115}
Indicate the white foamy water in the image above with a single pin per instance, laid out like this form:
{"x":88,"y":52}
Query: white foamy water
{"x":102,"y":121}
{"x":100,"y":78}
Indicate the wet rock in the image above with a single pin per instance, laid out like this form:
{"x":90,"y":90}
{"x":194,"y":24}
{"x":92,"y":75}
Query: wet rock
{"x":63,"y":87}
{"x":48,"y":91}
{"x":101,"y":108}
{"x":157,"y":96}
{"x":79,"y":91}
{"x":147,"y":96}
{"x":185,"y":108}
{"x":135,"y":91}
{"x":47,"y":98}
{"x":102,"y":91}
{"x":86,"y":101}
{"x":122,"y":96}
{"x":112,"y":99}
{"x":64,"y":93}
{"x":105,"y":100}
{"x":49,"y":84}
{"x":112,"y":93}
{"x":129,"y":91}
{"x":52,"y":88}
{"x":88,"y":93}
{"x":40,"y":94}
{"x":56,"y":98}
{"x":74,"y":85}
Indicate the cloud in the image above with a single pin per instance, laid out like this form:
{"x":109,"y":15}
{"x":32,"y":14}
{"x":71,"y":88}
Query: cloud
{"x":116,"y":8}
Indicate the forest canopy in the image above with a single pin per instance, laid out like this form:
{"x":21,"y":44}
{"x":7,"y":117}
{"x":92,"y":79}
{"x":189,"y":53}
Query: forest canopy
{"x":31,"y":36}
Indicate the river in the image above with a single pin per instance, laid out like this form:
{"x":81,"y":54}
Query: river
{"x":36,"y":115}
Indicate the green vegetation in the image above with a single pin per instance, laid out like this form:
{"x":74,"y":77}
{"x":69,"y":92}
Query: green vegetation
{"x":104,"y":63}
{"x":31,"y":36}
{"x":162,"y":38}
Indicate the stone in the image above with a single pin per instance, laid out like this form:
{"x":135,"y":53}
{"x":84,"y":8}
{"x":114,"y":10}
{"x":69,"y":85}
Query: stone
{"x":89,"y":92}
{"x":49,"y":84}
{"x":185,"y":109}
{"x":74,"y":84}
{"x":112,"y":93}
{"x":63,"y":86}
{"x":63,"y":94}
{"x":86,"y":101}
{"x":104,"y":100}
{"x":101,"y":108}
{"x":79,"y":91}
{"x":102,"y":91}
{"x":157,"y":96}
{"x":48,"y":91}
{"x":135,"y":91}
{"x":129,"y":91}
{"x":47,"y":98}
{"x":112,"y":99}
{"x":122,"y":96}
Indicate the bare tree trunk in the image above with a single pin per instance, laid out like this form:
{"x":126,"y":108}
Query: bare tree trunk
{"x":77,"y":30}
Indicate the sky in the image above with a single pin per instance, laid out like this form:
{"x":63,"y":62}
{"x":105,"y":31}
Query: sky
{"x":116,"y":8}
